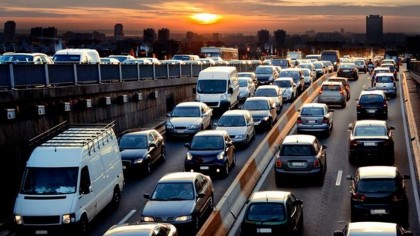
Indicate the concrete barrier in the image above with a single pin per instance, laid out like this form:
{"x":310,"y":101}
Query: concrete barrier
{"x":229,"y":207}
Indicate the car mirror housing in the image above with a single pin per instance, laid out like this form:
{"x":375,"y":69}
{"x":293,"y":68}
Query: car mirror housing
{"x":349,"y":177}
{"x":201,"y":195}
{"x":187,"y":145}
{"x":350,"y":127}
{"x":146,"y":195}
{"x":406,"y":177}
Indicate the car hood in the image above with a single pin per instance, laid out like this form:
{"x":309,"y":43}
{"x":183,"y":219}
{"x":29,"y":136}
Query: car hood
{"x":184,"y":121}
{"x":240,"y":130}
{"x":131,"y":154}
{"x":168,"y":208}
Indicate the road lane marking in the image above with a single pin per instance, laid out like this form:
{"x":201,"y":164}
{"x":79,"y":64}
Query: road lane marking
{"x":339,"y":176}
{"x":127,"y":217}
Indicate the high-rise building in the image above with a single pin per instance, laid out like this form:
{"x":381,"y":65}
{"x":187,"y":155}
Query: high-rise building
{"x":118,"y":32}
{"x":374,"y":29}
{"x":9,"y":32}
{"x":163,"y":35}
{"x":263,"y":37}
{"x":149,"y":36}
{"x":279,"y":41}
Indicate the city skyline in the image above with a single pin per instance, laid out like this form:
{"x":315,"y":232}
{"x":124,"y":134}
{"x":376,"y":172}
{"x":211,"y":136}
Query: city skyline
{"x":226,"y":16}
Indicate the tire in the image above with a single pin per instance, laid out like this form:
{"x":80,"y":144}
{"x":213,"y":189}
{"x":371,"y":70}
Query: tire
{"x":163,"y":154}
{"x":116,"y":198}
{"x":234,"y":160}
{"x":148,"y":169}
{"x":83,"y":226}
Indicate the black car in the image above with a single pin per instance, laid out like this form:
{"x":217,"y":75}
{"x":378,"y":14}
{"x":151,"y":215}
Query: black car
{"x":263,"y":111}
{"x":371,"y":140}
{"x":378,"y":193}
{"x":210,"y":151}
{"x":348,"y":70}
{"x":273,"y":213}
{"x":183,"y":199}
{"x":141,"y":150}
{"x":372,"y":104}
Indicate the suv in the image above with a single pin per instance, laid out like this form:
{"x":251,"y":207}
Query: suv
{"x":273,"y":213}
{"x":379,"y":193}
{"x":333,"y":93}
{"x":300,"y":155}
{"x":372,"y":103}
{"x":386,"y":82}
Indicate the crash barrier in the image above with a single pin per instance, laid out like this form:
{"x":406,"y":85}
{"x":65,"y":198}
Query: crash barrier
{"x":227,"y":210}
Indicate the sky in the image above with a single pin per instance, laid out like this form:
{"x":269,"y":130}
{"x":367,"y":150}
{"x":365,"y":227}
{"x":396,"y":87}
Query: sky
{"x":230,"y":16}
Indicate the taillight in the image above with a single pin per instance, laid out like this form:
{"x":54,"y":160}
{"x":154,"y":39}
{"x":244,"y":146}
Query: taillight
{"x":358,"y":197}
{"x":348,"y":87}
{"x":353,"y":143}
{"x":325,"y":120}
{"x":299,"y":120}
{"x":320,"y":91}
{"x":317,"y":163}
{"x":341,"y":92}
{"x":278,"y":163}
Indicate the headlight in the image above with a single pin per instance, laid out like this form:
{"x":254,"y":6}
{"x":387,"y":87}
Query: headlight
{"x":18,"y":219}
{"x":193,"y":127}
{"x":169,"y":125}
{"x":189,"y":156}
{"x":183,"y":218}
{"x":68,"y":218}
{"x":147,"y":219}
{"x":138,"y":161}
{"x":221,"y":156}
{"x":223,"y":97}
{"x":265,"y":118}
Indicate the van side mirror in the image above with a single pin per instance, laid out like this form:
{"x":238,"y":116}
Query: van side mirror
{"x":85,"y":189}
{"x":194,"y":90}
{"x":230,"y":90}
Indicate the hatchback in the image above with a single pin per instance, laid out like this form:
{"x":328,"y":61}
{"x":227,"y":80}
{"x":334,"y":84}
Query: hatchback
{"x":273,"y":92}
{"x":266,"y":74}
{"x":361,"y":65}
{"x":210,"y":151}
{"x":263,"y":111}
{"x":333,"y":93}
{"x":142,"y":229}
{"x":287,"y":88}
{"x":379,"y":193}
{"x":315,"y":117}
{"x":372,"y":104}
{"x":372,"y":228}
{"x":239,"y":125}
{"x":348,"y":70}
{"x":387,"y":83}
{"x":345,"y":83}
{"x":300,"y":156}
{"x":273,"y":213}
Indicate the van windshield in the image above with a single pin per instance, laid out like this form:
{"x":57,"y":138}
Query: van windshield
{"x":211,"y":86}
{"x":67,"y":58}
{"x":49,"y":181}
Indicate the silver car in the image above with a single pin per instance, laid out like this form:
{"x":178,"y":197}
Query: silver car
{"x":387,"y":83}
{"x":273,"y":92}
{"x":333,"y":93}
{"x":287,"y":88}
{"x":188,"y":118}
{"x":315,"y":117}
{"x":246,"y":88}
{"x":239,"y":125}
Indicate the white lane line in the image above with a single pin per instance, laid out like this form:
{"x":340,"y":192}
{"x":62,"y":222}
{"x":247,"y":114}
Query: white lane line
{"x":127,"y":217}
{"x":339,"y":176}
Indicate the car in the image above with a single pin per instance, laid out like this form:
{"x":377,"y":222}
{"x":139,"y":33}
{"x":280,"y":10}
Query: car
{"x":210,"y":151}
{"x":287,"y":88}
{"x":378,"y":70}
{"x":25,"y":58}
{"x":372,"y":228}
{"x":187,"y":118}
{"x":136,"y":61}
{"x":140,"y":150}
{"x":361,"y":65}
{"x":313,"y":57}
{"x":107,"y":60}
{"x":121,"y":58}
{"x":154,"y":60}
{"x":378,"y":193}
{"x":246,"y":88}
{"x":263,"y":111}
{"x":315,"y":117}
{"x":320,"y":69}
{"x":348,"y":70}
{"x":283,"y":63}
{"x":266,"y":74}
{"x":252,"y":75}
{"x":329,"y":66}
{"x":297,"y":75}
{"x":333,"y":94}
{"x":308,"y":77}
{"x":183,"y":199}
{"x":239,"y":125}
{"x":273,"y":213}
{"x":371,"y":140}
{"x":387,"y":83}
{"x":392,"y":69}
{"x":300,"y":155}
{"x":372,"y":104}
{"x":273,"y":92}
{"x":142,"y":229}
{"x":207,"y":61}
{"x":345,"y":83}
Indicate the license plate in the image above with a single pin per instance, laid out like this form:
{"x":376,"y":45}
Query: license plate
{"x":204,"y":167}
{"x":41,"y":232}
{"x":311,"y":121}
{"x":370,"y":111}
{"x":378,"y":211}
{"x":369,"y":144}
{"x":346,"y":70}
{"x":298,"y":164}
{"x":263,"y":230}
{"x":180,"y":131}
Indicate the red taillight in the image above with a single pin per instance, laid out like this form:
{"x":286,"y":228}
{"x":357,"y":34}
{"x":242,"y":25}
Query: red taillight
{"x":278,"y":163}
{"x":317,"y":163}
{"x":320,"y":91}
{"x":348,"y":87}
{"x":353,"y":143}
{"x":299,"y":120}
{"x":358,"y":197}
{"x":325,"y":120}
{"x":341,"y":92}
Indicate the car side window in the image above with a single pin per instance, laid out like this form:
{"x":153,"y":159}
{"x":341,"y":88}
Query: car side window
{"x":291,"y":208}
{"x":198,"y":186}
{"x":84,"y":181}
{"x":151,"y":138}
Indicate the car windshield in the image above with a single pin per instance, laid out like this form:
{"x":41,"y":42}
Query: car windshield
{"x":266,"y":93}
{"x":243,"y":83}
{"x":255,"y":105}
{"x":371,"y":98}
{"x":376,"y":185}
{"x":296,"y":150}
{"x":306,"y":72}
{"x":211,"y":142}
{"x":312,"y":111}
{"x":283,"y":83}
{"x":244,"y":75}
{"x":370,"y":131}
{"x":211,"y":86}
{"x":384,"y":79}
{"x":264,"y":70}
{"x":49,"y":181}
{"x":266,"y":212}
{"x":173,"y":191}
{"x":359,"y":62}
{"x":318,"y":65}
{"x":230,"y":121}
{"x":133,"y":142}
{"x":66,"y":58}
{"x":186,"y":112}
{"x":293,"y":74}
{"x":17,"y":58}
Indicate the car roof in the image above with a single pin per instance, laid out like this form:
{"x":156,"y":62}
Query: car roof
{"x":299,"y":139}
{"x":189,"y":104}
{"x":211,"y":133}
{"x":268,"y":87}
{"x":178,"y":177}
{"x":126,"y":229}
{"x":336,"y":78}
{"x":292,"y":69}
{"x":378,"y":92}
{"x":382,"y":68}
{"x":269,"y":196}
{"x":332,"y":83}
{"x":374,"y":172}
{"x":142,"y":132}
{"x":284,"y":79}
{"x":259,"y":99}
{"x":370,"y":122}
{"x":235,"y":112}
{"x":384,"y":74}
{"x":314,"y":104}
{"x":367,"y":228}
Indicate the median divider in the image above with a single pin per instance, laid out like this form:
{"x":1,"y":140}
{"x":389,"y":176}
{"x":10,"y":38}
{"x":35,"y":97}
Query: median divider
{"x":227,"y":210}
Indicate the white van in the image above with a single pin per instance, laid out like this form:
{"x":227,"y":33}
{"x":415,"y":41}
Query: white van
{"x":218,"y":87}
{"x":77,"y":56}
{"x":69,"y":179}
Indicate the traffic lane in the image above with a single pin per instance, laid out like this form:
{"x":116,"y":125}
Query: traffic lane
{"x":327,"y":208}
{"x":132,"y":202}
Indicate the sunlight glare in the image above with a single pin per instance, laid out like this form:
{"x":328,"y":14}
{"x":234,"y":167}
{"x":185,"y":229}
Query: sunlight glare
{"x":205,"y":18}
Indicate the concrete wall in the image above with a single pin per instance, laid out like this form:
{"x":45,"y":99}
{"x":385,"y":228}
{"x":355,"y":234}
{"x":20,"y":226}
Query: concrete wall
{"x":16,"y":133}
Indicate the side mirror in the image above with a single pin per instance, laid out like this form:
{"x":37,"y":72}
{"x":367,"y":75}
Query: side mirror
{"x":215,"y":125}
{"x":407,"y":233}
{"x":152,"y":145}
{"x":349,"y":177}
{"x":324,"y":146}
{"x":230,"y":90}
{"x":406,"y":177}
{"x":168,"y":115}
{"x":201,"y":195}
{"x":146,"y":195}
{"x":229,"y":144}
{"x":350,"y":127}
{"x":392,"y":128}
{"x":330,"y":110}
{"x":187,"y":145}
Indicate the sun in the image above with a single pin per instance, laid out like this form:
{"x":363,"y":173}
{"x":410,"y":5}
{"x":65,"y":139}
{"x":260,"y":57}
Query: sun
{"x":205,"y":18}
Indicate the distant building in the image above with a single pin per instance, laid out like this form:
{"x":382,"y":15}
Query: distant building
{"x":279,"y":41}
{"x":374,"y":29}
{"x":216,"y":37}
{"x":9,"y":32}
{"x":118,"y":32}
{"x":99,"y":36}
{"x":149,"y":36}
{"x":163,"y":35}
{"x":263,"y":37}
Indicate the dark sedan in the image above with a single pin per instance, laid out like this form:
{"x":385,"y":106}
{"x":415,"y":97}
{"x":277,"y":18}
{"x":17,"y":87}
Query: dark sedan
{"x":348,"y":70}
{"x":263,"y":111}
{"x":141,"y":150}
{"x":371,"y":140}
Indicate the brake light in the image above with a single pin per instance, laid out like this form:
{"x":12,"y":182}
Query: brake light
{"x":353,"y":143}
{"x":278,"y":163}
{"x":299,"y":120}
{"x":317,"y":163}
{"x":325,"y":120}
{"x":358,"y":197}
{"x":341,"y":92}
{"x":320,"y":91}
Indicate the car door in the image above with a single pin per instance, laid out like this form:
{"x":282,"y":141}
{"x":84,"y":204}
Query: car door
{"x":206,"y":115}
{"x":200,"y":203}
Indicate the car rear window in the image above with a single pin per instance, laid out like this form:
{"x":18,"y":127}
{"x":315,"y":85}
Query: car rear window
{"x":266,"y":212}
{"x":297,"y":150}
{"x":371,"y":98}
{"x":376,"y":185}
{"x":255,"y":105}
{"x":330,"y":87}
{"x":370,"y":131}
{"x":312,"y":111}
{"x":384,"y":79}
{"x":266,"y":93}
{"x":230,"y":121}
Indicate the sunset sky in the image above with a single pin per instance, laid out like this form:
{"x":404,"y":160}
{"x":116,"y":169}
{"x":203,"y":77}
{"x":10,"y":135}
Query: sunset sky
{"x":223,"y":16}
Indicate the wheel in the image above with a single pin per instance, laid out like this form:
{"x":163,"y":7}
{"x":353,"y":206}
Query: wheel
{"x":83,"y":225}
{"x":234,"y":160}
{"x":116,"y":198}
{"x":148,"y":167}
{"x":163,"y":154}
{"x":226,"y":169}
